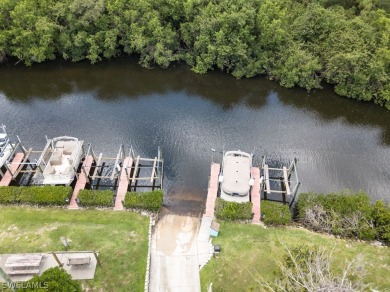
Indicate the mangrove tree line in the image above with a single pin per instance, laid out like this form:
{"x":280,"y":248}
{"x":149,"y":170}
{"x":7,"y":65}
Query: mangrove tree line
{"x":296,"y":42}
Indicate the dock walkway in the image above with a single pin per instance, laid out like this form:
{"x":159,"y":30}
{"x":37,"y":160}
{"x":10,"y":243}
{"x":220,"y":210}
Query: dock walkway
{"x":6,"y":180}
{"x":205,"y":248}
{"x":212,"y":190}
{"x":255,"y":195}
{"x":81,"y":182}
{"x":123,"y":185}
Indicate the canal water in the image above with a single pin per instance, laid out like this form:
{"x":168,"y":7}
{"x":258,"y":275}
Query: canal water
{"x":339,"y":143}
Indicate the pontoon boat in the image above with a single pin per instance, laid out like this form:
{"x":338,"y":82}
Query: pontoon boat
{"x":64,"y":156}
{"x":235,"y":178}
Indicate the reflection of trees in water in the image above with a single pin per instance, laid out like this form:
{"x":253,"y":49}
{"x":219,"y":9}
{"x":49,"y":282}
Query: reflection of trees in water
{"x":329,"y":107}
{"x":124,"y":78}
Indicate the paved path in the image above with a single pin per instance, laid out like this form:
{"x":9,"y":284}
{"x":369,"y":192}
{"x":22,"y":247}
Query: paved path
{"x":174,"y":255}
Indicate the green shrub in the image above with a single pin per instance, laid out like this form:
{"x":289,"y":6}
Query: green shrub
{"x":345,"y":213}
{"x":94,"y":198}
{"x":343,"y":203}
{"x":232,"y":211}
{"x":381,"y":216}
{"x":45,"y":196}
{"x":9,"y":195}
{"x":151,"y":201}
{"x":275,"y":213}
{"x":55,"y":280}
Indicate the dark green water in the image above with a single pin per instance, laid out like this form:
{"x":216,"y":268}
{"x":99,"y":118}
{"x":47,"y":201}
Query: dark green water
{"x":339,"y":143}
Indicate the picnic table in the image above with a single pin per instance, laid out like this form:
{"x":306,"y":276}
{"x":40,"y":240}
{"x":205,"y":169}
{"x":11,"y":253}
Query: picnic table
{"x":23,"y":264}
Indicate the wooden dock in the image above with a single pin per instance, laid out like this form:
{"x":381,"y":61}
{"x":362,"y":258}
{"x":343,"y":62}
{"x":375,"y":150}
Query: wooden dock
{"x":6,"y":180}
{"x":212,"y":190}
{"x":123,"y":185}
{"x":81,"y":182}
{"x":255,"y":195}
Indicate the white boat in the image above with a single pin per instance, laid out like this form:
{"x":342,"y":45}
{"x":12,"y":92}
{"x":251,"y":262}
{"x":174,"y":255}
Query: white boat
{"x":64,"y":156}
{"x":5,"y":146}
{"x":235,"y":178}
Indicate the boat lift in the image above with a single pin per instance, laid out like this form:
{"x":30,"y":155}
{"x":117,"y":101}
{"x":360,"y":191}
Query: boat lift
{"x":130,"y":164}
{"x":285,"y":177}
{"x":100,"y":163}
{"x":28,"y":164}
{"x":151,"y":169}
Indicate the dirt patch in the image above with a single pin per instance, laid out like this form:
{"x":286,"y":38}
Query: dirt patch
{"x":44,"y":229}
{"x":12,"y":228}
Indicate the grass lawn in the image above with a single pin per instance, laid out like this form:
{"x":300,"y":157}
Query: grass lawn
{"x":251,"y":250}
{"x":120,"y":237}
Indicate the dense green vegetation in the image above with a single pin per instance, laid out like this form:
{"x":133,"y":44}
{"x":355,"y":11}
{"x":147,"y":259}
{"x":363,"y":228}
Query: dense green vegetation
{"x":346,"y":214}
{"x":296,"y":42}
{"x":250,"y":253}
{"x":36,"y":195}
{"x":53,"y":280}
{"x":121,"y":238}
{"x":274,"y":213}
{"x":233,"y":211}
{"x":95,"y":198}
{"x":151,"y":201}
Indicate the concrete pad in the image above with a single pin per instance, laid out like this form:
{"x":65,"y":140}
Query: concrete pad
{"x":80,"y":272}
{"x":205,"y":247}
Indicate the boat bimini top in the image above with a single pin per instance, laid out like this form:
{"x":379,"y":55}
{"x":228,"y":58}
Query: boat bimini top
{"x":236,"y":178}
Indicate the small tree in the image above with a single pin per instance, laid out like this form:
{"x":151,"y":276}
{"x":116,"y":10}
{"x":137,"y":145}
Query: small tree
{"x":53,"y":280}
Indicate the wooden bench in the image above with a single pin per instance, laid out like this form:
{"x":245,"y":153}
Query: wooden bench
{"x":76,"y":261}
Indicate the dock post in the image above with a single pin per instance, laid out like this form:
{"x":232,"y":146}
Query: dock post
{"x":21,"y":145}
{"x":93,"y":154}
{"x":85,"y":173}
{"x":160,"y":167}
{"x":123,"y":152}
{"x":8,"y":169}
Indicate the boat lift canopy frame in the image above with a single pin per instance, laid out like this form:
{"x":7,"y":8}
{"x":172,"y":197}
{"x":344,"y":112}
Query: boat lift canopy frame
{"x":290,"y":186}
{"x":99,"y":165}
{"x":132,"y":168}
{"x":155,"y":165}
{"x":25,"y":166}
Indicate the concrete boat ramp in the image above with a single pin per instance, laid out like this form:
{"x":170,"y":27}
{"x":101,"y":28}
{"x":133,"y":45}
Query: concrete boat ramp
{"x":174,"y":254}
{"x":181,"y":246}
